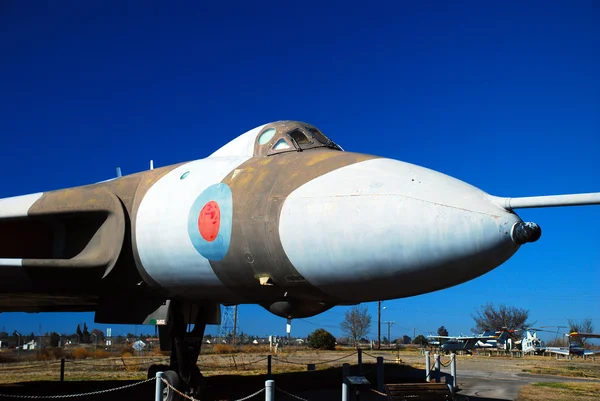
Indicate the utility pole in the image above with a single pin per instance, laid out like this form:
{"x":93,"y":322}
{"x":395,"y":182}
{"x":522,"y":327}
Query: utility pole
{"x":18,"y":345}
{"x":378,"y":324}
{"x":40,"y":339}
{"x":234,"y":322}
{"x":389,"y":339}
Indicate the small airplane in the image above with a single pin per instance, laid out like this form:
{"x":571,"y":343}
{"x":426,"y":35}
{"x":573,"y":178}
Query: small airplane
{"x":503,"y":339}
{"x":280,"y":216}
{"x":487,"y":339}
{"x":461,"y":343}
{"x":575,"y":347}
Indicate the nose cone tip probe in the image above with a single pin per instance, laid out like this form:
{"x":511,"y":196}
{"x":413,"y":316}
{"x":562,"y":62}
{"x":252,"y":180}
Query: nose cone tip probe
{"x":523,"y":232}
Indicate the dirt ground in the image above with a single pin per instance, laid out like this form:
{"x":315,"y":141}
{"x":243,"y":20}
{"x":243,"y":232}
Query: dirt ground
{"x":231,"y":377}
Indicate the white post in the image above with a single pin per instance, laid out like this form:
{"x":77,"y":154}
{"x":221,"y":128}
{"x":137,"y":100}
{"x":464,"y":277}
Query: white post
{"x":436,"y":367}
{"x":453,"y":370}
{"x":270,"y":390}
{"x":427,"y":367}
{"x":159,"y":387}
{"x":345,"y":386}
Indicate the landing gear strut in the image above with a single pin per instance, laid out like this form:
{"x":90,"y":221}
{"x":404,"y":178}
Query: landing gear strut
{"x":182,"y":372}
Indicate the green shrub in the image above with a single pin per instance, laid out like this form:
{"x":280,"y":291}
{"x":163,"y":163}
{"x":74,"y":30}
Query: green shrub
{"x":321,"y":339}
{"x":420,"y":340}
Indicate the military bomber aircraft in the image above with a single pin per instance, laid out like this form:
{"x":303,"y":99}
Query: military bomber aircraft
{"x":281,"y":216}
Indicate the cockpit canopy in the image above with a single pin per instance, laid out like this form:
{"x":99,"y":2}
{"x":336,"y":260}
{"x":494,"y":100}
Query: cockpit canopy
{"x":276,"y":138}
{"x":290,"y":136}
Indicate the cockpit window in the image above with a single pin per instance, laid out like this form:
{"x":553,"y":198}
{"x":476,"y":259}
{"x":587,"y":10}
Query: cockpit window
{"x":318,"y":135}
{"x":289,"y":136}
{"x":266,"y":136}
{"x":281,"y":145}
{"x":300,"y":138}
{"x":322,"y":139}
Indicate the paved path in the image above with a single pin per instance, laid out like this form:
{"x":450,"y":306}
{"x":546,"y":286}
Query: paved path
{"x":482,"y":385}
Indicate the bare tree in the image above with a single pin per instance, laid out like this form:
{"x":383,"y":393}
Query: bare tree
{"x":585,"y":326}
{"x":490,"y":317}
{"x":357,"y":323}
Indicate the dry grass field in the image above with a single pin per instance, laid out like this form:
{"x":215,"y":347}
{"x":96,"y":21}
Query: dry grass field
{"x":230,"y":375}
{"x":559,"y":391}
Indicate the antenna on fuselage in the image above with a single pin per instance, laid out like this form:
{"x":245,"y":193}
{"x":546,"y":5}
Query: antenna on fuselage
{"x":119,"y":172}
{"x":151,"y":164}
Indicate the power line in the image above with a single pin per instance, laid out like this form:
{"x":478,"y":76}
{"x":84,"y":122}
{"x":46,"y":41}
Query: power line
{"x":378,"y":324}
{"x":389,"y":324}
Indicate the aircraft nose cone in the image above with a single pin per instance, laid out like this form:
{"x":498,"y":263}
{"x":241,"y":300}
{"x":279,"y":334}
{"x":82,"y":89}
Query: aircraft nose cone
{"x":383,"y":229}
{"x":523,"y":232}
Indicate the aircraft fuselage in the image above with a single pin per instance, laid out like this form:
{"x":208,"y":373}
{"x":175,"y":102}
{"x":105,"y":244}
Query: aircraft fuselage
{"x":280,"y":216}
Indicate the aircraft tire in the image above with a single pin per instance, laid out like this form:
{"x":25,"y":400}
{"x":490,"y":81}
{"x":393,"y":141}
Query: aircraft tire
{"x":174,"y":380}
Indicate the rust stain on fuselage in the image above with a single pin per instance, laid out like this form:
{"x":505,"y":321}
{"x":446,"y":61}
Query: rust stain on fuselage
{"x":94,"y":224}
{"x":259,"y":192}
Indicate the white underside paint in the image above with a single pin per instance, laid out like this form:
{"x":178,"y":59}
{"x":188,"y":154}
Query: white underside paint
{"x":161,"y":226}
{"x":384,"y":220}
{"x":164,"y":246}
{"x":18,"y":206}
{"x":11,"y":262}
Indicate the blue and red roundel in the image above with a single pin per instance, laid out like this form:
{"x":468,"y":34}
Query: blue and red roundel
{"x":210,"y":221}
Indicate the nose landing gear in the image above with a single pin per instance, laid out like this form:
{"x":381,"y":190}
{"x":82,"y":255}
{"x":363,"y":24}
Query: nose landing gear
{"x":182,"y":373}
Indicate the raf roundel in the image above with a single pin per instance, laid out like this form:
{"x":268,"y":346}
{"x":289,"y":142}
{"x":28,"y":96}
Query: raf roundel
{"x":210,"y":221}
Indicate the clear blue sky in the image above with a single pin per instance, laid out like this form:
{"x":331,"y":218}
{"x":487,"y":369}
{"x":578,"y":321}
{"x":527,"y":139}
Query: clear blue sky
{"x":505,"y":97}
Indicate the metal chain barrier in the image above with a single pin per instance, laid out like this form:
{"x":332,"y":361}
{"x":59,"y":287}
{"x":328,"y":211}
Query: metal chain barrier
{"x":398,"y":360}
{"x":445,"y":364}
{"x":290,"y":394}
{"x":194,"y":399}
{"x":77,"y":395}
{"x":252,"y":363}
{"x":251,"y":395}
{"x":316,"y":363}
{"x":289,"y":362}
{"x":379,"y":393}
{"x":337,"y":359}
{"x":177,"y":391}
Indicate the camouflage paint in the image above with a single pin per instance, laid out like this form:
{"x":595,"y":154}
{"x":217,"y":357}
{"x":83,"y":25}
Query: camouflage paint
{"x":260,"y":186}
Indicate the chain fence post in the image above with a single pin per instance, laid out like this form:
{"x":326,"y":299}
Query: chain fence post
{"x":453,"y":370}
{"x":345,"y":386}
{"x":158,"y":396}
{"x":269,"y":365}
{"x":427,"y":367}
{"x":360,"y":365}
{"x":380,"y":374}
{"x":436,"y":367}
{"x":270,"y":390}
{"x":62,"y":369}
